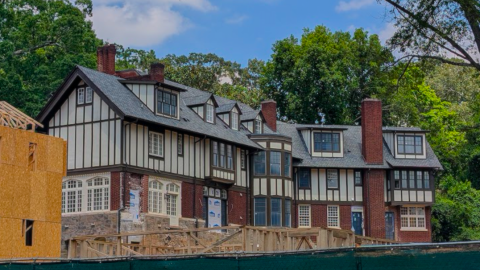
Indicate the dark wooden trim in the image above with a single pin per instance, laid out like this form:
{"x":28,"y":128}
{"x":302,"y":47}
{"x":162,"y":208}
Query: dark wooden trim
{"x":395,"y":139}
{"x":340,"y":142}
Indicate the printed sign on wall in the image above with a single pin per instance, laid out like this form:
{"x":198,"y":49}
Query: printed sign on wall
{"x":214,"y":213}
{"x":135,"y":205}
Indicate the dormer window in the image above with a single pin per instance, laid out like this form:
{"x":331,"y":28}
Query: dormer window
{"x":210,"y":111}
{"x":326,"y":142}
{"x":234,"y":119}
{"x":410,"y":144}
{"x":167,"y":103}
{"x":258,"y":125}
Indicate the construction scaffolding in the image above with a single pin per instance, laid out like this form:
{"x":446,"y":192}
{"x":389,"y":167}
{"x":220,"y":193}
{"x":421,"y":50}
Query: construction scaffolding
{"x":14,"y":118}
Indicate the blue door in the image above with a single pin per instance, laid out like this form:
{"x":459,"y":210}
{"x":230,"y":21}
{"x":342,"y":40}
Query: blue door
{"x":357,"y":223}
{"x":389,"y":226}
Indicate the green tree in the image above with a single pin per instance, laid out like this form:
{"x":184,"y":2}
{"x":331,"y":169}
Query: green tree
{"x":40,"y":43}
{"x":326,"y":73}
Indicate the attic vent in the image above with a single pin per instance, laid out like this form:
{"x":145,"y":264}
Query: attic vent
{"x":185,"y":119}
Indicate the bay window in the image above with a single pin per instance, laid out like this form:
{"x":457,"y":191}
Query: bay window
{"x":259,"y":162}
{"x":275,"y":163}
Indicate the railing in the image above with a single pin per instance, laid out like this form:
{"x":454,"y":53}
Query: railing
{"x":216,"y":240}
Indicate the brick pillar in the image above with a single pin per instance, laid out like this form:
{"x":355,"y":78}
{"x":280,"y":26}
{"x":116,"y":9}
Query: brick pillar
{"x":115,"y":190}
{"x":144,"y":195}
{"x":372,"y":137}
{"x":346,"y":217}
{"x":157,"y":72}
{"x":374,"y":203}
{"x":269,"y":111}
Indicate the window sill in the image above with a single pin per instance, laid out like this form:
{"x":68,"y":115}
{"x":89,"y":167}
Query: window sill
{"x":413,"y":230}
{"x":155,"y":156}
{"x":161,"y":215}
{"x":334,"y":227}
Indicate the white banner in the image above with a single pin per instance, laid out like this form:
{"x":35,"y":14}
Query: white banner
{"x":214,"y":212}
{"x":135,"y":205}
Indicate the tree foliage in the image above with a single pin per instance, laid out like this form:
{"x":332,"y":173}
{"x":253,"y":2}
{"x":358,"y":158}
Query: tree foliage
{"x":40,"y":43}
{"x":327,"y":73}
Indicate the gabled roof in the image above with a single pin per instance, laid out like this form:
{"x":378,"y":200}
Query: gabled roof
{"x":225,"y":108}
{"x":198,"y":100}
{"x":250,"y":115}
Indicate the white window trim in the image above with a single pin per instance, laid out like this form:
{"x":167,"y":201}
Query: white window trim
{"x":81,"y":101}
{"x":210,"y":113}
{"x":309,"y":216}
{"x":88,"y":90}
{"x":84,"y":189}
{"x":419,"y":229}
{"x":165,"y":183}
{"x":338,"y":216}
{"x":161,"y":144}
{"x":234,"y":120}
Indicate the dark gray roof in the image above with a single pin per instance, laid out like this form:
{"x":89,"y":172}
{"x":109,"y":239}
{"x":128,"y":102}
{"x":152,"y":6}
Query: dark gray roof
{"x":404,"y":129}
{"x":353,"y":157}
{"x":249,"y":115}
{"x":131,"y":106}
{"x":197,"y":100}
{"x":225,"y":108}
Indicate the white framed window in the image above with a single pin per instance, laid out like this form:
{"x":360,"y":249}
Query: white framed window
{"x":234,"y":120}
{"x":332,"y":178}
{"x":412,"y":218}
{"x":333,"y":216}
{"x":72,"y":196}
{"x":88,"y":95}
{"x":81,"y":96}
{"x":155,"y":144}
{"x":258,"y":125}
{"x":215,"y":153}
{"x":180,"y":144}
{"x":304,"y":214}
{"x":155,"y":197}
{"x":167,"y":103}
{"x":210,"y":112}
{"x":172,"y":199}
{"x":229,"y":157}
{"x":98,"y":194}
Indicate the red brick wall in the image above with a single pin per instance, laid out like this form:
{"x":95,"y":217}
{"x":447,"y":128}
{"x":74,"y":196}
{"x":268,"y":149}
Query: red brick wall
{"x":115,"y":186}
{"x":133,"y":182}
{"x":412,"y":236}
{"x":372,"y":137}
{"x":106,"y":59}
{"x":144,"y":195}
{"x":187,"y":200}
{"x":319,"y":215}
{"x":374,"y":205}
{"x":346,"y":217}
{"x":269,"y":111}
{"x":237,"y":207}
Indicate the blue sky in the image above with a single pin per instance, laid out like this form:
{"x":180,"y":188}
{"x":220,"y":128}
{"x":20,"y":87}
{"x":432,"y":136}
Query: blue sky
{"x":237,"y":30}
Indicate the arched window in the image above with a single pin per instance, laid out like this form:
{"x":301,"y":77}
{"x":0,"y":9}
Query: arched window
{"x":155,"y":197}
{"x":98,"y":194}
{"x":71,"y":196}
{"x":172,"y":199}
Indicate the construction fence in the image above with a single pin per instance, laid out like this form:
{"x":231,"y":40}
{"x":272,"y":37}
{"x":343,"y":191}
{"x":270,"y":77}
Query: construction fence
{"x":425,"y":257}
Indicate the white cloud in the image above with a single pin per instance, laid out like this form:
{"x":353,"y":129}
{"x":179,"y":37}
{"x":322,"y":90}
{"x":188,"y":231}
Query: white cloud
{"x":236,"y":19}
{"x":142,"y":22}
{"x":387,"y":32}
{"x":353,"y":5}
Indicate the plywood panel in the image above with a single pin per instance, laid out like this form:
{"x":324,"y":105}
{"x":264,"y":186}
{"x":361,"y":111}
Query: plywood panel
{"x":168,"y":150}
{"x":79,"y":147}
{"x":428,"y":196}
{"x":88,"y":146}
{"x":71,"y":147}
{"x":350,"y":185}
{"x":88,"y":113}
{"x":405,"y":196}
{"x":150,"y":97}
{"x":273,"y":187}
{"x":323,"y":185}
{"x":343,"y":186}
{"x":358,"y":194}
{"x":104,"y":143}
{"x":314,"y":180}
{"x":111,"y":143}
{"x":397,"y":195}
{"x":95,"y":144}
{"x":97,"y":101}
{"x":105,"y":111}
{"x":71,"y":110}
{"x":174,"y":143}
{"x":118,"y":142}
{"x":80,"y":114}
{"x":279,"y":187}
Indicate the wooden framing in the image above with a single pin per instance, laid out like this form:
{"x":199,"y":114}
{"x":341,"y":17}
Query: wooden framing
{"x":14,"y":118}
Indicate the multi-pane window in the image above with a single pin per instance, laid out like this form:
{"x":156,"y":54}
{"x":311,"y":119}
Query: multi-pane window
{"x":72,"y":196}
{"x":167,"y":103}
{"x":88,"y":95}
{"x":172,"y":199}
{"x":180,"y":144}
{"x":426,"y":180}
{"x":80,"y":96}
{"x":419,"y":179}
{"x":215,"y":153}
{"x":304,"y":215}
{"x":275,"y":163}
{"x":155,"y":197}
{"x":155,"y":144}
{"x":326,"y":142}
{"x":333,"y":216}
{"x":276,"y":212}
{"x":412,"y":217}
{"x":412,"y":179}
{"x":234,"y":120}
{"x":258,"y":125}
{"x":286,"y":165}
{"x":260,"y":216}
{"x":98,"y":194}
{"x":242,"y":159}
{"x":229,"y":157}
{"x":210,"y":113}
{"x":410,"y":144}
{"x":404,"y":179}
{"x":396,"y":179}
{"x":288,"y":213}
{"x":259,"y":163}
{"x":332,"y":178}
{"x":358,"y":178}
{"x":222,"y":155}
{"x":304,"y":178}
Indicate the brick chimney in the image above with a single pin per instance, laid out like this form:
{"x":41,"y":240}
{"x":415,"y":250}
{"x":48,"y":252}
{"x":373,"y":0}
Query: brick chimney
{"x":106,"y":59}
{"x":156,"y":72}
{"x":269,"y":111}
{"x":372,"y":138}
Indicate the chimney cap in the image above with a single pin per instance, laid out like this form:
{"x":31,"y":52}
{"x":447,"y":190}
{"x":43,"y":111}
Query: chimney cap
{"x":269,"y":101}
{"x":371,"y":100}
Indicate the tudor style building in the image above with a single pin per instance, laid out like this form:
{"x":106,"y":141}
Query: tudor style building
{"x":163,"y":154}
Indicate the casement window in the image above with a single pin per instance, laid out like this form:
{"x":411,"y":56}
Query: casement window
{"x":304,"y":215}
{"x":167,"y":103}
{"x":98,"y":198}
{"x":198,"y":110}
{"x":426,"y":180}
{"x":404,"y":179}
{"x":80,"y":96}
{"x":326,"y":142}
{"x":229,"y":157}
{"x":275,"y":158}
{"x":222,"y":155}
{"x":286,"y":165}
{"x":288,"y":213}
{"x":234,"y":121}
{"x":155,"y":197}
{"x":258,"y":125}
{"x":333,"y":216}
{"x":173,"y":192}
{"x":210,"y":112}
{"x":155,"y":144}
{"x":412,"y":217}
{"x":410,"y":144}
{"x":276,"y":212}
{"x":28,"y":231}
{"x":332,"y":178}
{"x":72,"y":196}
{"x":215,"y":153}
{"x":260,"y":215}
{"x":411,"y":179}
{"x":259,"y":163}
{"x":419,"y":179}
{"x":180,"y":144}
{"x":304,"y":178}
{"x":88,"y":95}
{"x":396,"y":179}
{"x":358,"y":178}
{"x":242,"y":159}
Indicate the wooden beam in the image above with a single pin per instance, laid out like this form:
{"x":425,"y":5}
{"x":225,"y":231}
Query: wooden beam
{"x":221,"y":241}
